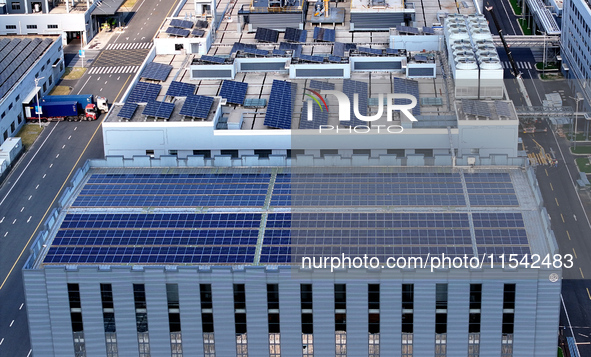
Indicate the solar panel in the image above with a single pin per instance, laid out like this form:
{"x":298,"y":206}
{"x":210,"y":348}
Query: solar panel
{"x":476,"y":107}
{"x":503,"y":109}
{"x":178,"y":32}
{"x":420,"y":58}
{"x":322,"y":34}
{"x":428,"y":30}
{"x":350,"y":87}
{"x":255,"y":51}
{"x":144,"y":92}
{"x":266,"y":35}
{"x":180,"y":89}
{"x":197,"y":106}
{"x":295,"y":35}
{"x":315,"y":59}
{"x":181,"y":23}
{"x":127,"y":110}
{"x":277,"y":52}
{"x":158,"y":109}
{"x":156,"y":71}
{"x":350,"y":46}
{"x":280,"y":107}
{"x":286,"y":46}
{"x":407,"y":29}
{"x":319,"y":116}
{"x":368,"y":50}
{"x":198,"y":33}
{"x":334,"y":59}
{"x":339,"y":49}
{"x":314,"y":84}
{"x":213,"y":59}
{"x":407,"y":86}
{"x":201,"y":24}
{"x":233,"y":91}
{"x":392,"y":51}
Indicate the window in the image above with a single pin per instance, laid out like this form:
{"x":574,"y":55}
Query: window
{"x":307,"y":345}
{"x":373,"y":304}
{"x":205,"y":153}
{"x":44,"y":87}
{"x":31,"y":27}
{"x":20,"y":118}
{"x":10,"y":106}
{"x":178,"y":47}
{"x":15,"y":6}
{"x":407,"y":308}
{"x":42,"y":68}
{"x":232,"y":153}
{"x":207,"y":320}
{"x":76,"y":319}
{"x":328,"y":152}
{"x":397,"y":152}
{"x":5,"y":134}
{"x":2,"y":115}
{"x":11,"y":27}
{"x":240,"y":320}
{"x":440,"y":308}
{"x":50,"y":79}
{"x":263,"y":154}
{"x":150,"y":153}
{"x":52,"y":26}
{"x":174,"y":320}
{"x":362,"y":152}
{"x":173,"y":152}
{"x":109,"y":320}
{"x":306,"y":306}
{"x":12,"y":127}
{"x":48,"y":61}
{"x":141,"y":319}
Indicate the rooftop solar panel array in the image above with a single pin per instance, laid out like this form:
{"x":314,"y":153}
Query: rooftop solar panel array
{"x":323,"y":34}
{"x":127,"y":111}
{"x":178,"y":32}
{"x":334,"y":59}
{"x":180,"y":89}
{"x":295,"y":35}
{"x":181,"y":23}
{"x":503,"y":109}
{"x":197,"y":106}
{"x":314,"y":84}
{"x":255,"y":51}
{"x":407,"y":29}
{"x":350,"y":87}
{"x":338,"y":49}
{"x":156,"y":71}
{"x":239,"y":46}
{"x":17,"y":57}
{"x":198,"y":33}
{"x":491,"y":189}
{"x":408,"y":86}
{"x":277,"y":52}
{"x":247,"y":228}
{"x":476,"y":107}
{"x":314,"y":59}
{"x":266,"y":35}
{"x":233,"y":91}
{"x":280,"y":107}
{"x":371,"y":51}
{"x":420,"y":58}
{"x":144,"y":92}
{"x":428,"y":30}
{"x":319,"y":116}
{"x":158,"y":109}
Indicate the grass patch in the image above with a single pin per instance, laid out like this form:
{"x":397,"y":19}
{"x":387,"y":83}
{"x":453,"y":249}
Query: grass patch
{"x":523,"y":24}
{"x":560,"y":353}
{"x":581,"y":150}
{"x":73,"y":73}
{"x":516,"y":7}
{"x":583,"y":164}
{"x":29,"y":133}
{"x":549,"y":76}
{"x":549,"y":65}
{"x":60,"y":90}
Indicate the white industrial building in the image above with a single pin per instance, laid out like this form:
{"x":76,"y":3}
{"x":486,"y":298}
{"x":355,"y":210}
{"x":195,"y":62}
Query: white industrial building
{"x":26,"y":61}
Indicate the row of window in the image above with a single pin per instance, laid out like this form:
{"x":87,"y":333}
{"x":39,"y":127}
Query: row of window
{"x":307,"y":319}
{"x":293,"y":153}
{"x":31,"y":27}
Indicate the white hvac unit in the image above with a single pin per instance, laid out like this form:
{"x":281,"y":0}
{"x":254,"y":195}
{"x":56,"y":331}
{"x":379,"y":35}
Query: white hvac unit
{"x":457,"y":34}
{"x":464,"y":63}
{"x":490,"y":63}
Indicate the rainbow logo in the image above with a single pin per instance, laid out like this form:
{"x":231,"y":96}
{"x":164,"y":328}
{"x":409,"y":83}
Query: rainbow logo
{"x":316,"y":100}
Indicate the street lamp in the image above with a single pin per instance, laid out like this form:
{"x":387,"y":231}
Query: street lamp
{"x":577,"y":98}
{"x":37,"y":94}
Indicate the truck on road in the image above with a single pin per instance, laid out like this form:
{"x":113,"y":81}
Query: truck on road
{"x":67,"y":107}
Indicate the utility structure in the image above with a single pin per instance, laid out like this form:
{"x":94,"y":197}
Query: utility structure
{"x":500,"y":30}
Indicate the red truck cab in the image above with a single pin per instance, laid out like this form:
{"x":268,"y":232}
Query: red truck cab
{"x":90,"y":112}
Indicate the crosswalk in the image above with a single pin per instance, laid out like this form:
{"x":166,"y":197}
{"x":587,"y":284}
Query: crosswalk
{"x":129,"y":46}
{"x":113,"y":69}
{"x":520,"y":65}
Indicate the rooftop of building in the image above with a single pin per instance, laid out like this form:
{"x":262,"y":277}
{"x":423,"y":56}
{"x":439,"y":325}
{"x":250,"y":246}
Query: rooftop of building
{"x":273,"y":216}
{"x":436,"y":95}
{"x":18,"y":54}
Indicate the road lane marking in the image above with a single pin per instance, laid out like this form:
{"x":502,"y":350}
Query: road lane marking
{"x":84,"y":84}
{"x":5,"y":234}
{"x":30,"y":351}
{"x":588,"y":294}
{"x":25,"y":169}
{"x":36,"y":187}
{"x":556,"y":199}
{"x":28,"y":220}
{"x":13,"y":222}
{"x":21,"y":306}
{"x":56,"y":156}
{"x":561,"y":216}
{"x":2,"y":219}
{"x":30,"y":197}
{"x":581,"y":270}
{"x":552,"y":187}
{"x":11,"y":323}
{"x":575,"y":253}
{"x":22,"y":209}
{"x":1,"y":341}
{"x":575,"y":216}
{"x":63,"y":146}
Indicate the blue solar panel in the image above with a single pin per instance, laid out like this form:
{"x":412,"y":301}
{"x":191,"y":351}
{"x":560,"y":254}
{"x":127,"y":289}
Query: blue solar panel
{"x":371,"y":51}
{"x":322,"y":34}
{"x":315,"y":59}
{"x":420,"y":58}
{"x":144,"y":92}
{"x":339,"y":49}
{"x":314,"y":84}
{"x":392,"y":51}
{"x":255,"y":51}
{"x":266,"y":35}
{"x":158,"y":109}
{"x":334,"y":59}
{"x":178,"y":32}
{"x":213,"y":59}
{"x":277,"y":52}
{"x":407,"y":86}
{"x":428,"y":30}
{"x":156,"y":71}
{"x":201,"y":24}
{"x":198,"y":33}
{"x":127,"y":110}
{"x":319,"y":116}
{"x":351,"y":87}
{"x":180,"y":89}
{"x":181,"y":23}
{"x":233,"y":91}
{"x":280,"y":107}
{"x":295,"y":35}
{"x":197,"y":106}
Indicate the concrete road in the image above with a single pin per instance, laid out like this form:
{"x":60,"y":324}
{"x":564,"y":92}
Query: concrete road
{"x":505,"y":16}
{"x":35,"y":184}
